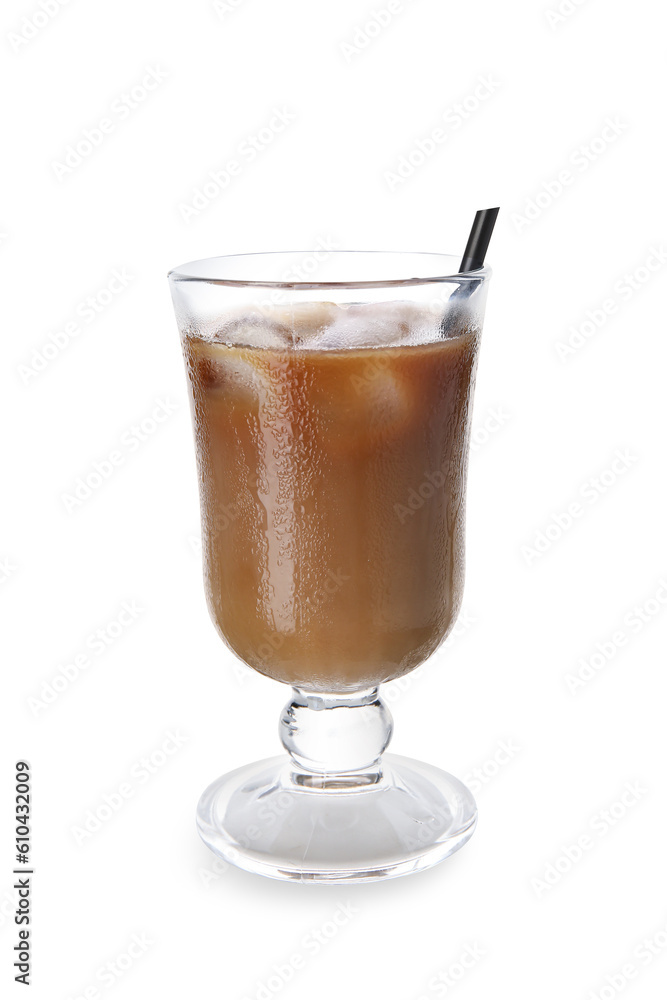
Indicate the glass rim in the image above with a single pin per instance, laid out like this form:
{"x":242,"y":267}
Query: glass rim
{"x":192,"y":270}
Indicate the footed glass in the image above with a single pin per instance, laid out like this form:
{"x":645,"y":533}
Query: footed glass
{"x":331,"y":398}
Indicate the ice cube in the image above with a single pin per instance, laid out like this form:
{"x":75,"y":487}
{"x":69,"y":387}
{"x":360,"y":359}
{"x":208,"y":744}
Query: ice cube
{"x":259,"y":328}
{"x":229,"y":370}
{"x":306,"y":321}
{"x":375,"y":325}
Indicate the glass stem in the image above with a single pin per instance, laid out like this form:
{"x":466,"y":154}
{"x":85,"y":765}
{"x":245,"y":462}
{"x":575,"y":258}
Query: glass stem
{"x":334,"y":739}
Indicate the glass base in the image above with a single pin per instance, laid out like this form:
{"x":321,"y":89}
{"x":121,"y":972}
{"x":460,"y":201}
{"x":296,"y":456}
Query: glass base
{"x":277,"y":820}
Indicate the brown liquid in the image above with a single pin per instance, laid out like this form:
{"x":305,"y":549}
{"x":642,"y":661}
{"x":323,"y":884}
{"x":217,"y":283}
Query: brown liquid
{"x":332,"y":490}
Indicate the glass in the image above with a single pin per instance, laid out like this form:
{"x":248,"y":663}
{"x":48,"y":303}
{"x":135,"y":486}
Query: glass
{"x":331,"y":398}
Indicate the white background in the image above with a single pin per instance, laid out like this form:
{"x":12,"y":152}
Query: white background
{"x":359,"y":104}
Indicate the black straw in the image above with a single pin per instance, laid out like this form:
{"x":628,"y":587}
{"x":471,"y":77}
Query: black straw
{"x":478,"y":241}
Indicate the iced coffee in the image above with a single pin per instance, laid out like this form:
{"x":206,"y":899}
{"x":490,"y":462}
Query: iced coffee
{"x":332,"y":450}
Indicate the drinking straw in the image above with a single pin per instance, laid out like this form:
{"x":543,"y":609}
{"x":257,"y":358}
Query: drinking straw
{"x":478,"y":241}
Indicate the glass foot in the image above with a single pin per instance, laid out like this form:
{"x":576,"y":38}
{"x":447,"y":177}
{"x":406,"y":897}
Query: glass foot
{"x":277,"y":820}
